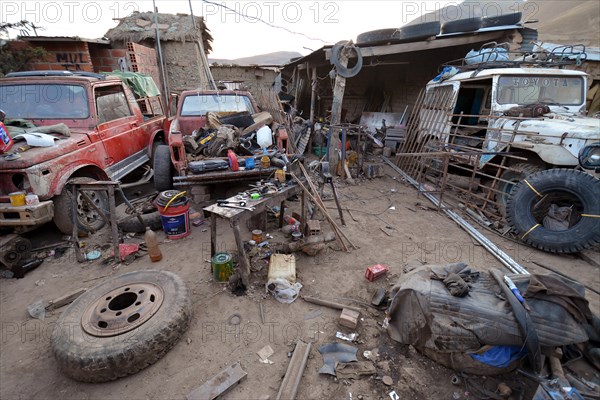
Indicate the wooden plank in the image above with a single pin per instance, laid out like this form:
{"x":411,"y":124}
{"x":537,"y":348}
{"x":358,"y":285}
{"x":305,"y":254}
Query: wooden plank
{"x":218,"y":384}
{"x":64,"y":300}
{"x":293,"y":375}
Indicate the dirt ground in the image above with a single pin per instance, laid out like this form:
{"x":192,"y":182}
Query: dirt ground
{"x":28,"y":369}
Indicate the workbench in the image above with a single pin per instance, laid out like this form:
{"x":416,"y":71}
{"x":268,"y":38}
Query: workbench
{"x":235,"y":215}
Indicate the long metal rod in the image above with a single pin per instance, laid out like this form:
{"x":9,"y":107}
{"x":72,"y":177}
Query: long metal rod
{"x":160,"y":55}
{"x":504,"y":258}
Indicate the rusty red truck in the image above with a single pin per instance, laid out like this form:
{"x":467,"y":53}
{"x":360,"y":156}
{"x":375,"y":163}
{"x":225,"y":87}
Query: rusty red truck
{"x":112,"y":130}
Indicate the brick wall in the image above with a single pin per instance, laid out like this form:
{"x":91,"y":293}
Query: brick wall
{"x":143,"y":59}
{"x":105,"y":59}
{"x":71,"y":56}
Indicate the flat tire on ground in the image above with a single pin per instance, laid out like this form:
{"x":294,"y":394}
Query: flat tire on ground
{"x":121,"y":326}
{"x":582,"y":188}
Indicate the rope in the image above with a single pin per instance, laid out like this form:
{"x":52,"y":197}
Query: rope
{"x":529,"y":231}
{"x":532,"y":188}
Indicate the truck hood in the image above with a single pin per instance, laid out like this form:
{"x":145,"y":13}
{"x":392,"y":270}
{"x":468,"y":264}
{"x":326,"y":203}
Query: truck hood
{"x":38,"y":155}
{"x":563,"y":124}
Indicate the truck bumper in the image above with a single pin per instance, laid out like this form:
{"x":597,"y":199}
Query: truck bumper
{"x":26,"y":216}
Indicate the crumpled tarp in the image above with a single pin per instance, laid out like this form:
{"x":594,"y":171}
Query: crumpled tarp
{"x":142,"y":85}
{"x":424,"y":314}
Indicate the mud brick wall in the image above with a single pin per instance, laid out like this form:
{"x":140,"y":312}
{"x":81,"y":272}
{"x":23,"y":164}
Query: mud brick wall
{"x":70,"y":56}
{"x":251,"y":78}
{"x":143,"y":59}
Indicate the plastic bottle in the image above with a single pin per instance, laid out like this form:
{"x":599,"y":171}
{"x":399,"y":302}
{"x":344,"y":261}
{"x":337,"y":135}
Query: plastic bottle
{"x":265,"y":161}
{"x":264,"y":137}
{"x":152,"y":245}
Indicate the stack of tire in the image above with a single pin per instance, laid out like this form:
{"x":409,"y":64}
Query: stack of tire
{"x":425,"y":30}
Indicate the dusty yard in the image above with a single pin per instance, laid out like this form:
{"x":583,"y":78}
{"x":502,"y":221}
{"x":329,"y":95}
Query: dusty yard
{"x":28,"y":369}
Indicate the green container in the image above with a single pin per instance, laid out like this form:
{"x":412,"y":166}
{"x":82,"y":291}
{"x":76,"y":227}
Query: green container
{"x":319,"y":151}
{"x":222,"y":267}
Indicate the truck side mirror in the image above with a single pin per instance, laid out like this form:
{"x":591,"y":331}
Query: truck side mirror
{"x":589,"y":157}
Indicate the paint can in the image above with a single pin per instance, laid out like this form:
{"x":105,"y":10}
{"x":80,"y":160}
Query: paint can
{"x":257,"y":236}
{"x":222,"y":267}
{"x":174,"y":209}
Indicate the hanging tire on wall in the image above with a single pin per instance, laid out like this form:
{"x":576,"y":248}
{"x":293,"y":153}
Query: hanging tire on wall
{"x":530,"y":201}
{"x":121,"y":326}
{"x":346,"y":72}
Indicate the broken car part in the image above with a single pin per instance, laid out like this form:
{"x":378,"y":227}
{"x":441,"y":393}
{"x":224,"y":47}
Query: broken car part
{"x":334,"y":353}
{"x":293,"y":375}
{"x":218,"y":384}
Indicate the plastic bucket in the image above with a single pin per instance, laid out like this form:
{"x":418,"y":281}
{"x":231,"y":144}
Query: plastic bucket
{"x":222,"y":267}
{"x":174,"y":215}
{"x":17,"y":199}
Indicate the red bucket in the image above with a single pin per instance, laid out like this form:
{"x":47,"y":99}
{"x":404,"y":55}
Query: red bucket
{"x":174,"y":210}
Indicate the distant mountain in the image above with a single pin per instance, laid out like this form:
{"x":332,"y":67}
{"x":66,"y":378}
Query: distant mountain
{"x":276,"y":58}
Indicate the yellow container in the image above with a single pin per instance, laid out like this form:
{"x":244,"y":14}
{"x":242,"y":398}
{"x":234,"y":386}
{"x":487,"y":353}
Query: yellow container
{"x":282,"y":266}
{"x":280,"y":175}
{"x":17,"y":199}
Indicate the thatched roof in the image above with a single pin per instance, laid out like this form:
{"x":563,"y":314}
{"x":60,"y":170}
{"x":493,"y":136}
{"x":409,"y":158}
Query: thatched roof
{"x":139,"y":26}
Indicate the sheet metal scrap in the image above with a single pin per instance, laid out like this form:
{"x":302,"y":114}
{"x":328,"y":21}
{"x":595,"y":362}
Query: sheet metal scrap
{"x":334,"y":353}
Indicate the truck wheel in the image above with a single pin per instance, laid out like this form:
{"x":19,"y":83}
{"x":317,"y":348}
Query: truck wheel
{"x":522,"y":171}
{"x":564,"y":187}
{"x":88,"y":219}
{"x":121,"y":326}
{"x":163,"y":168}
{"x":461,"y":25}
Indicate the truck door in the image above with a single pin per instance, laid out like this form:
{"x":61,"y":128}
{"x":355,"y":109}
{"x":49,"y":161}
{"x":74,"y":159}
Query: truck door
{"x":119,"y":129}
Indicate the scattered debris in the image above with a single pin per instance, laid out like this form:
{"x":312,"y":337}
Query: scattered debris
{"x":265,"y":353}
{"x":350,"y":337}
{"x":313,"y":314}
{"x":218,"y":384}
{"x":334,"y":353}
{"x":378,"y":297}
{"x":349,"y":318}
{"x":37,"y":310}
{"x":354,"y":370}
{"x":234,"y":319}
{"x":387,"y":380}
{"x":375,"y":272}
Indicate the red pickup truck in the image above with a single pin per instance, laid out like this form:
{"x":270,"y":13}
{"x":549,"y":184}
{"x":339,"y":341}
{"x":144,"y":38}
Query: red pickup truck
{"x":111,"y":134}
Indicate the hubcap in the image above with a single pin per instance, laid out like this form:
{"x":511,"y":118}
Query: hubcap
{"x":122,"y":310}
{"x":87,"y":214}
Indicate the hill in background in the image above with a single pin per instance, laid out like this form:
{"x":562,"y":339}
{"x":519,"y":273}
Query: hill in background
{"x":276,"y":58}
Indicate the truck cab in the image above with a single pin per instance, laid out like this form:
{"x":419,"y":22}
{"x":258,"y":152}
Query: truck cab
{"x":109,"y":133}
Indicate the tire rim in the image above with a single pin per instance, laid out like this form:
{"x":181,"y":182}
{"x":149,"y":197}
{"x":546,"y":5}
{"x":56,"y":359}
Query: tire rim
{"x":87,"y":215}
{"x":122,"y":309}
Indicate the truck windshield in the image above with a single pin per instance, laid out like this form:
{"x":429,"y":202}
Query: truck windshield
{"x":44,"y":101}
{"x":526,"y":89}
{"x":220,"y":103}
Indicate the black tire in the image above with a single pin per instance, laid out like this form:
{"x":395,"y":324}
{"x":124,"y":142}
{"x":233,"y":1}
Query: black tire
{"x":88,"y":219}
{"x":345,"y":72}
{"x":131,"y":223}
{"x":583,"y":234}
{"x":89,"y":358}
{"x":163,"y":168}
{"x":239,"y":120}
{"x":398,"y":35}
{"x":522,"y":171}
{"x":501,"y":20}
{"x":461,"y":25}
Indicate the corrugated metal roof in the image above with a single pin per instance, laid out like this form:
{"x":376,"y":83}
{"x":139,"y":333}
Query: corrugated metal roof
{"x":62,"y":39}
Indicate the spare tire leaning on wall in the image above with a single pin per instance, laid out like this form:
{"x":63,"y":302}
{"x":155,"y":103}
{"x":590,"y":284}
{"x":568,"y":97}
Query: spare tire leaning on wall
{"x":121,"y":326}
{"x":530,"y":200}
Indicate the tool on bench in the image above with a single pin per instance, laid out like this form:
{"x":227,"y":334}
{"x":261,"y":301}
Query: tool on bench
{"x":240,"y":205}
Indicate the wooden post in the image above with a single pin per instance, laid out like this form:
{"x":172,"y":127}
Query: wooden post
{"x":213,"y":236}
{"x":242,"y":258}
{"x":313,"y":105}
{"x":336,"y":112}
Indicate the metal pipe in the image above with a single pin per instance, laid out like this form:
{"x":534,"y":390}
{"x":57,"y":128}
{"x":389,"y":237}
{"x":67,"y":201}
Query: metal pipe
{"x":160,"y":55}
{"x":504,"y":258}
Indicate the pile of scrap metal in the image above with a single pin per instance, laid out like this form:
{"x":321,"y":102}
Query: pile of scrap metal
{"x":474,"y":322}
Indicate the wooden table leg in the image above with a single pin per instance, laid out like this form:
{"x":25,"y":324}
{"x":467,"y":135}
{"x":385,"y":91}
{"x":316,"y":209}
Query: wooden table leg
{"x":281,"y":213}
{"x":112,"y":221}
{"x":303,"y":212}
{"x":213,"y":236}
{"x":78,"y":253}
{"x":243,"y":259}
